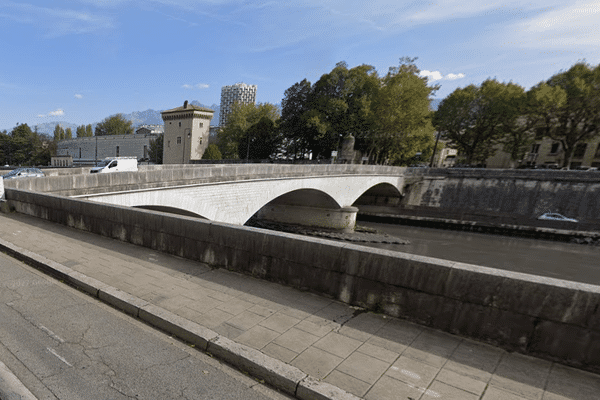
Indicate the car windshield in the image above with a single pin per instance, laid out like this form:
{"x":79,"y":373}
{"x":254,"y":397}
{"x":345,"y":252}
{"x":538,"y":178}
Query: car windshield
{"x":104,"y":163}
{"x":14,"y":172}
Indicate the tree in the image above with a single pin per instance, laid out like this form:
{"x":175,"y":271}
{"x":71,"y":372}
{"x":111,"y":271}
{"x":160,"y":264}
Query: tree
{"x":567,"y":107}
{"x":114,"y":125}
{"x":212,"y":153}
{"x":260,"y":141}
{"x":475,"y":118}
{"x":241,"y":118}
{"x":88,"y":131}
{"x":59,"y":133}
{"x":68,"y":133}
{"x":402,"y":127}
{"x":156,"y":149}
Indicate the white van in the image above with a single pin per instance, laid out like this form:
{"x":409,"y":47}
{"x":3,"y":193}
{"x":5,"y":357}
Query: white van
{"x":116,"y":164}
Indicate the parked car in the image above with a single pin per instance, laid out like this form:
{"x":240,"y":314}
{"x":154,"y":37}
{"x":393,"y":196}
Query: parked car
{"x":24,"y":173}
{"x":556,"y":217}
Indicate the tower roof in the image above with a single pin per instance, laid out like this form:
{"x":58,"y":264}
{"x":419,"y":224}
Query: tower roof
{"x":187,"y":107}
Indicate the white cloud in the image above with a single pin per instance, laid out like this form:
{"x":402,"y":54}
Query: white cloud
{"x":78,"y":96}
{"x":452,"y":77}
{"x":431,"y":75}
{"x":437,"y":76}
{"x":570,"y":26}
{"x":197,"y":86}
{"x":55,"y":113}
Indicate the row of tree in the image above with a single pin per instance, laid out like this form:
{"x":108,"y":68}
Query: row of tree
{"x":478,"y":120}
{"x":22,"y":146}
{"x":389,"y":117}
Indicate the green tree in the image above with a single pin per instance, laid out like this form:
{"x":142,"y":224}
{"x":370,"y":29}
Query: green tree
{"x":114,"y":125}
{"x":68,"y":133}
{"x":156,"y":149}
{"x":402,"y":128}
{"x":80,"y":131}
{"x":294,"y":124}
{"x":212,"y":153}
{"x":23,"y":145}
{"x":567,"y":109}
{"x":260,"y":141}
{"x":476,"y":118}
{"x":241,"y":118}
{"x":59,"y":133}
{"x":88,"y":131}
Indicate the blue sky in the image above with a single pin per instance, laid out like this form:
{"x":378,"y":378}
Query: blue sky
{"x":80,"y":61}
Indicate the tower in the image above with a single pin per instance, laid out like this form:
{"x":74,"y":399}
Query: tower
{"x":186,"y":133}
{"x":238,"y":93}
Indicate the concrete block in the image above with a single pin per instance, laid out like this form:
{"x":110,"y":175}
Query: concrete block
{"x":569,"y":343}
{"x":312,"y":389}
{"x":272,"y":371}
{"x":121,"y":300}
{"x":175,"y":325}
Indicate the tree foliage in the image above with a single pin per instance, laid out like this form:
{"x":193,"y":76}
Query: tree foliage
{"x":260,"y":141}
{"x":22,"y":146}
{"x":114,"y":125}
{"x":241,"y":118}
{"x":476,"y":118}
{"x":388,"y":116}
{"x":567,"y":107}
{"x":59,"y":133}
{"x":212,"y":153}
{"x":83,"y":131}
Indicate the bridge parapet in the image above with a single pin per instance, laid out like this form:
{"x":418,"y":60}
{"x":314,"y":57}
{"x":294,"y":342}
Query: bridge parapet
{"x":175,"y":175}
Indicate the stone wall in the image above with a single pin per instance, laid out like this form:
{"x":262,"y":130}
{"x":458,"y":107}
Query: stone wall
{"x":512,"y":195}
{"x":549,"y":318}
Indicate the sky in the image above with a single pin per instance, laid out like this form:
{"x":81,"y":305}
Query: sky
{"x":80,"y":61}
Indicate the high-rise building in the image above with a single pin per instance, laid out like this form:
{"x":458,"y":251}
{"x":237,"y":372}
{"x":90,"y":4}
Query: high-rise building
{"x":238,"y":93}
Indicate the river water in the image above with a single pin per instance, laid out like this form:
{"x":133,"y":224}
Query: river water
{"x":569,"y":261}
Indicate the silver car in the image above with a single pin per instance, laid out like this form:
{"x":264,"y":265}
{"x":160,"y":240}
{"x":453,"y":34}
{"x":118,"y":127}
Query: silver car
{"x":24,"y":173}
{"x":556,"y":217}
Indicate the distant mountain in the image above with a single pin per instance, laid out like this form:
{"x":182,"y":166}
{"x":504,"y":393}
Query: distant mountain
{"x":148,"y":117}
{"x":48,"y":127}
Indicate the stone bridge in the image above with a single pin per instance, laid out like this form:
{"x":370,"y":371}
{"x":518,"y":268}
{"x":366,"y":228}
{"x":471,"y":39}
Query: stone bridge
{"x":314,"y":195}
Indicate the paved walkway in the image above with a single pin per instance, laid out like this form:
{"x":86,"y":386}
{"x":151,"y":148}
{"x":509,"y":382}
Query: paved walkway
{"x":369,"y":355}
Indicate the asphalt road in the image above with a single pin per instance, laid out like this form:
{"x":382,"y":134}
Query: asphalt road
{"x":62,"y":344}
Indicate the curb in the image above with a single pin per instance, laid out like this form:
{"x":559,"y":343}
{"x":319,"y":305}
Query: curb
{"x":276,"y":373}
{"x":11,"y":387}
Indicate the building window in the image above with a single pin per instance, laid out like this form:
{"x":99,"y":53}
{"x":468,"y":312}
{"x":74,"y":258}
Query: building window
{"x":200,"y":124}
{"x":554,"y":148}
{"x":117,"y":151}
{"x":597,"y":151}
{"x":80,"y":152}
{"x":580,"y":150}
{"x":178,"y":139}
{"x":180,"y":124}
{"x":168,"y":143}
{"x":535,"y":148}
{"x":201,"y":140}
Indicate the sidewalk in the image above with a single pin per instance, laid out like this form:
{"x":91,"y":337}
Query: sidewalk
{"x":369,"y":355}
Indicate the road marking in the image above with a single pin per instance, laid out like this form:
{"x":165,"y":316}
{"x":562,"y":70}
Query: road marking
{"x":51,"y":334}
{"x":58,"y":356}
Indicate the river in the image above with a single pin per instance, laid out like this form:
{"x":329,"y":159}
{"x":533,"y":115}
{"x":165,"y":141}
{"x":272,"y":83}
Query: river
{"x":569,"y":261}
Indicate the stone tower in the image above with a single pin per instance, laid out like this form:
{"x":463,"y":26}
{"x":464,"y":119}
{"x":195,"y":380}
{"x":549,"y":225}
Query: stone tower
{"x":186,"y":133}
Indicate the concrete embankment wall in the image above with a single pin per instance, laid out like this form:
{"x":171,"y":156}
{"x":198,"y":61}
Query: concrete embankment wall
{"x":506,"y":196}
{"x":553,"y":319}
